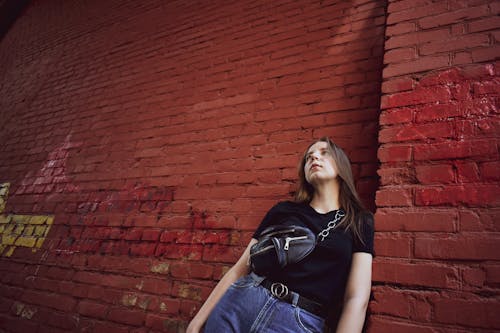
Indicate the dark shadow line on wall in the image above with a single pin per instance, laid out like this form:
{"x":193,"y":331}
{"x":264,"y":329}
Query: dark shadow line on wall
{"x":10,"y":10}
{"x":366,"y":325}
{"x":376,"y":144}
{"x":379,"y":89}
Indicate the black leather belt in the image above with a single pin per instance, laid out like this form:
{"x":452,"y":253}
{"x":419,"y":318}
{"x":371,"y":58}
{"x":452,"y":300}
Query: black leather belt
{"x":281,"y":292}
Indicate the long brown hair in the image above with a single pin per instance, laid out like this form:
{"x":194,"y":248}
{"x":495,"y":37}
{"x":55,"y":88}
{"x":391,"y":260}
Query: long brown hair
{"x":348,"y":197}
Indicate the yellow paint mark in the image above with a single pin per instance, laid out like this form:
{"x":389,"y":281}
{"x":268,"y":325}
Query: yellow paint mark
{"x":10,"y":228}
{"x":28,"y":313}
{"x":4,"y":219}
{"x":26,"y":241}
{"x":129,"y":299}
{"x":21,"y":219}
{"x":144,"y":303}
{"x":39,"y":230}
{"x":38,"y":219}
{"x":4,"y":192}
{"x":187,"y":291}
{"x":161,"y":268}
{"x":28,"y":231}
{"x":23,"y":310}
{"x":140,"y":285}
{"x":39,"y":242}
{"x":21,"y":230}
{"x":8,"y":239}
{"x":163,"y":307}
{"x":18,"y":308}
{"x":18,"y":230}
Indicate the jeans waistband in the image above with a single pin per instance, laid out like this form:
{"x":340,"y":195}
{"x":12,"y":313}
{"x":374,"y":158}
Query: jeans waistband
{"x":283,"y":293}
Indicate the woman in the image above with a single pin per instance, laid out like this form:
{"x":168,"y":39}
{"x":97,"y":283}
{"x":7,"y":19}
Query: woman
{"x":333,"y":281}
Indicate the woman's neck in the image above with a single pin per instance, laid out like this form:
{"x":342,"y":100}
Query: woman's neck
{"x":326,"y":198}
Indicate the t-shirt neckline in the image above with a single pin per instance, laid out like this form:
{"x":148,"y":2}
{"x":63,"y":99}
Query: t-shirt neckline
{"x":322,"y":214}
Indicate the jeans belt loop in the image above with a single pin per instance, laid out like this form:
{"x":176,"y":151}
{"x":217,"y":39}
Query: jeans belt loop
{"x":257,"y":279}
{"x":295,"y":299}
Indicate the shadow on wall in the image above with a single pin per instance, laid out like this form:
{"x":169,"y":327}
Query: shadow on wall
{"x":360,"y":51}
{"x":365,"y":50}
{"x":10,"y":10}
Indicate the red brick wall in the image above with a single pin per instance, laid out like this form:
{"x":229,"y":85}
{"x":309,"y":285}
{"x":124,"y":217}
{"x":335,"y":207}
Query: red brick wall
{"x":437,"y":239}
{"x":142,"y":141}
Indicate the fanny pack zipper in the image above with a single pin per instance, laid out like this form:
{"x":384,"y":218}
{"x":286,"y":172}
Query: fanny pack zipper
{"x":289,"y":239}
{"x":263,"y":249}
{"x":285,"y":231}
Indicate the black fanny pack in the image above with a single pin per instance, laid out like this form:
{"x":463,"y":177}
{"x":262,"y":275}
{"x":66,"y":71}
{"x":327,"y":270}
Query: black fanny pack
{"x":279,"y":246}
{"x":282,"y":245}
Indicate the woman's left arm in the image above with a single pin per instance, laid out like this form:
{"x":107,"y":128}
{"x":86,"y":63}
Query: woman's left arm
{"x":357,"y":294}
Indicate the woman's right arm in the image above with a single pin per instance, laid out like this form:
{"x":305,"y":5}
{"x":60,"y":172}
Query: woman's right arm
{"x":238,"y":270}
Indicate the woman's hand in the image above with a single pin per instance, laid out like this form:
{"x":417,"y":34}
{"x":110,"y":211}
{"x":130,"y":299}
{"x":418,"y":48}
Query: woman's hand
{"x":239,"y":269}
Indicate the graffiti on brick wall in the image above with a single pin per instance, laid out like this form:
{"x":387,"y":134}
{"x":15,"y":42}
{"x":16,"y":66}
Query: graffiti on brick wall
{"x":51,"y":176}
{"x":17,"y":231}
{"x":26,"y":230}
{"x":112,"y":221}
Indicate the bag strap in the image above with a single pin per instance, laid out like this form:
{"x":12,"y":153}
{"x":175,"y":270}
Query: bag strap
{"x":331,"y":225}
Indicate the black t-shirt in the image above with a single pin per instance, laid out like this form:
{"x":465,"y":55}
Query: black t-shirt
{"x":322,"y":275}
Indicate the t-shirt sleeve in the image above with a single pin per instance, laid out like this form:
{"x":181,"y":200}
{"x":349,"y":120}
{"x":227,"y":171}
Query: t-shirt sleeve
{"x":367,"y":234}
{"x":268,"y":220}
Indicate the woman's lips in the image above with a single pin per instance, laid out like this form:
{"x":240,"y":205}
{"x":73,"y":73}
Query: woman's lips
{"x":315,"y":166}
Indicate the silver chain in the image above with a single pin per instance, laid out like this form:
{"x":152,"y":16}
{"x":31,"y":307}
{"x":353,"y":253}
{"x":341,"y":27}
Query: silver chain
{"x":331,"y":225}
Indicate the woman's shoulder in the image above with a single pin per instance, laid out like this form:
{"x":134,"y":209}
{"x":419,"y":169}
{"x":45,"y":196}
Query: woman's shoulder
{"x":286,"y":207}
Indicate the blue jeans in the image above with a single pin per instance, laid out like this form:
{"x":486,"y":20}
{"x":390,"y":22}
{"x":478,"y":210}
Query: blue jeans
{"x":247,"y":307}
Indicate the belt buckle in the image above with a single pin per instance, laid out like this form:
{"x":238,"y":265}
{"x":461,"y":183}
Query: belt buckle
{"x":279,"y":290}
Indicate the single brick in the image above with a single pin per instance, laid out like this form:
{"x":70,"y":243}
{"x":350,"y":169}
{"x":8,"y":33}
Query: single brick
{"x":26,"y":241}
{"x":28,"y":231}
{"x":4,"y":219}
{"x":39,"y":242}
{"x":21,"y":219}
{"x":38,"y":219}
{"x":8,"y":239}
{"x":40,"y":230}
{"x":18,"y":230}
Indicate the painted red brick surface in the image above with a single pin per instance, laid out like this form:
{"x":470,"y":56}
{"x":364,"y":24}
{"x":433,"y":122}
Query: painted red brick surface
{"x":437,"y":205}
{"x":142,"y":142}
{"x":157,"y":134}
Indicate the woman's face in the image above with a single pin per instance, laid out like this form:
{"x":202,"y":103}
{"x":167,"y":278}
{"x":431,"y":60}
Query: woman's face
{"x":320,"y":165}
